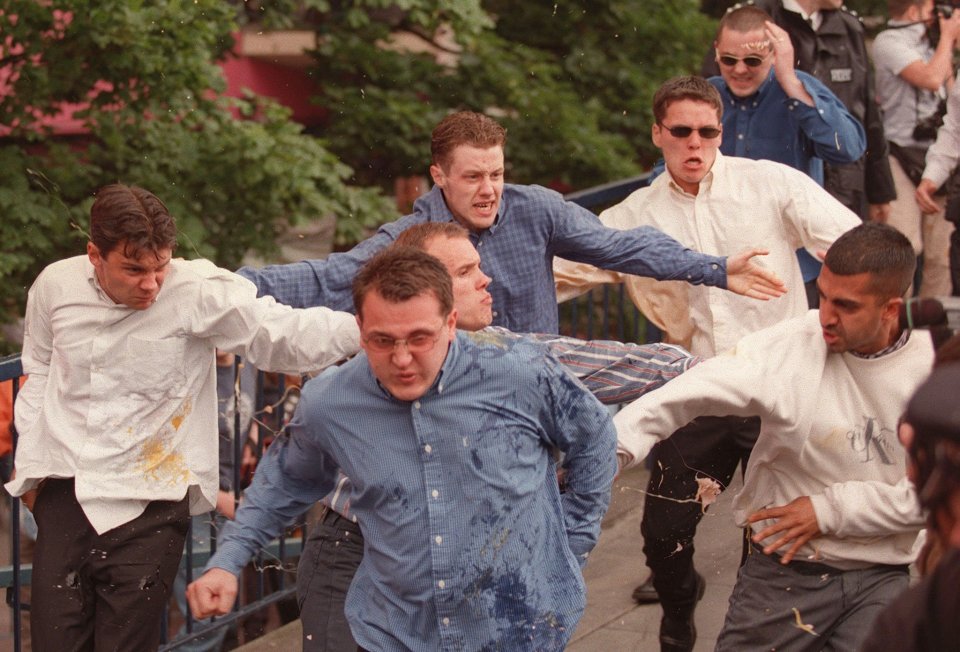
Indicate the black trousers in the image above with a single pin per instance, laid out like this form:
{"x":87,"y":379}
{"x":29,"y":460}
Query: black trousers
{"x":329,"y":560}
{"x":101,"y":591}
{"x":707,"y":448}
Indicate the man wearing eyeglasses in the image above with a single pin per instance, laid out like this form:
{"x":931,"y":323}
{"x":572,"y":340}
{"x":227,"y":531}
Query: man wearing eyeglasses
{"x":448,"y":437}
{"x":708,"y":201}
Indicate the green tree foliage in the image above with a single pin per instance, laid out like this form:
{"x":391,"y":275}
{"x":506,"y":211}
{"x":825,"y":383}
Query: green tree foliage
{"x":571,"y":81}
{"x":141,"y":80}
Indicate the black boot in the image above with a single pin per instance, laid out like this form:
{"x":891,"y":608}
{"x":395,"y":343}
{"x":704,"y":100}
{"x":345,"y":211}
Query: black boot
{"x":677,"y":630}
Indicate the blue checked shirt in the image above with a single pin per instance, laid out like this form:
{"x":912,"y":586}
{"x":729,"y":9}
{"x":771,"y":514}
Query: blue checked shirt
{"x":614,"y":372}
{"x":468,"y":543}
{"x":534,"y":225}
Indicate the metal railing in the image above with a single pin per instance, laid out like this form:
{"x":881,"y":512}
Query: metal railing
{"x":604,"y":313}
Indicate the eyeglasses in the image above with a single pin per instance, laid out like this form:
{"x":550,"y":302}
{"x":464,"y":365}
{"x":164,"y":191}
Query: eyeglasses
{"x":417,"y":343}
{"x":752,"y":61}
{"x":683,"y":131}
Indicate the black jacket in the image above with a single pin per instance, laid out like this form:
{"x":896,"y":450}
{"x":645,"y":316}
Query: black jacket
{"x":836,"y":54}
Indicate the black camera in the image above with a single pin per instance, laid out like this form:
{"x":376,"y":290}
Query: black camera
{"x":933,"y":26}
{"x":926,"y":129}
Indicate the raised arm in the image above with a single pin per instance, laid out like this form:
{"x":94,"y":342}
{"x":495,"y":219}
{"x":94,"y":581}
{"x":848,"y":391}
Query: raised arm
{"x":272,"y":336}
{"x":322,"y":282}
{"x":616,"y":372}
{"x":578,"y":235}
{"x":836,"y":135}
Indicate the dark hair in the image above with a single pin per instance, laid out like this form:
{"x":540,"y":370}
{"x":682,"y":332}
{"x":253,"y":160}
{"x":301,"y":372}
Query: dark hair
{"x":401,"y":273}
{"x":689,"y":87}
{"x":876,"y":249}
{"x":934,"y":414}
{"x":418,"y":235}
{"x":896,"y":8}
{"x":744,"y":18}
{"x":464,"y":128}
{"x":132,"y":216}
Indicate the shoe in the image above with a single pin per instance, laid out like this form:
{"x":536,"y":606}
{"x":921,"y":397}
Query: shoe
{"x":678,"y":634}
{"x":645,"y":593}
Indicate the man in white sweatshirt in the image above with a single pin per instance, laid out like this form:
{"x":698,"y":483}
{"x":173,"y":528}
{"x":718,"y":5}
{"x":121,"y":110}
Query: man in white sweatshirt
{"x":831,"y":514}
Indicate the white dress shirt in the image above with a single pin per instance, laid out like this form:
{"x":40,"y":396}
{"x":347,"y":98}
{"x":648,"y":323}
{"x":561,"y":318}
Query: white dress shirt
{"x":741,"y":203}
{"x":124,"y":400}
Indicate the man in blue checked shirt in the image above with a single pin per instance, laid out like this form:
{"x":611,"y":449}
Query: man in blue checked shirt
{"x":517,"y":230}
{"x":613,"y":371}
{"x":449,"y":439}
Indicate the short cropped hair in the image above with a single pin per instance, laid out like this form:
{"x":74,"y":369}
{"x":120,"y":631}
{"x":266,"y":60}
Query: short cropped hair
{"x":879,"y":250}
{"x":132,"y":216}
{"x":744,"y":18}
{"x":401,"y":273}
{"x":464,"y":128}
{"x":896,"y":8}
{"x":418,"y":235}
{"x":689,"y":87}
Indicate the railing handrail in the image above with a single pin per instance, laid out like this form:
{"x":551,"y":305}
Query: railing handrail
{"x":10,"y":367}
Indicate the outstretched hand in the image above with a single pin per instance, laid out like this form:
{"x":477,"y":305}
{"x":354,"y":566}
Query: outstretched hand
{"x":751,"y":280}
{"x":796,"y":523}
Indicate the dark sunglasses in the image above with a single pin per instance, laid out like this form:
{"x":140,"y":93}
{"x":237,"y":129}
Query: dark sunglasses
{"x":683,"y":131}
{"x":752,"y":62}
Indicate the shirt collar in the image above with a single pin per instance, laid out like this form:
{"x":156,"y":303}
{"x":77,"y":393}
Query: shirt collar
{"x":438,"y":207}
{"x":706,"y":183}
{"x":814,"y":18}
{"x":94,"y":282}
{"x":896,"y":346}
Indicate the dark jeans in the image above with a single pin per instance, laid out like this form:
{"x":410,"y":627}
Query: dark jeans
{"x":710,"y":447}
{"x":329,"y":560}
{"x":102,"y":591}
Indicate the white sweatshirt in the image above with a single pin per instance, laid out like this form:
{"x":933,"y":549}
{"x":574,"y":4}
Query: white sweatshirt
{"x":828,"y":431}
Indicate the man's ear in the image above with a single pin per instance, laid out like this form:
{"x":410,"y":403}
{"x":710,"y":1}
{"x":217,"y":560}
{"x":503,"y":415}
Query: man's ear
{"x":436,"y":173}
{"x":891,"y":311}
{"x":93,"y":253}
{"x":655,"y":134}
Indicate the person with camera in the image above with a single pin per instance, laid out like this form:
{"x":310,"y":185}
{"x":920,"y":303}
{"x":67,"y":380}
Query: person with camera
{"x":941,"y":163}
{"x":914,"y":71}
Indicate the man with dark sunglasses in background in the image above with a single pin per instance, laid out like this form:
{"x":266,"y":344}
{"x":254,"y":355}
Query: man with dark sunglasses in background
{"x":708,"y":202}
{"x":776,"y":112}
{"x":772,"y":110}
{"x":829,"y":42}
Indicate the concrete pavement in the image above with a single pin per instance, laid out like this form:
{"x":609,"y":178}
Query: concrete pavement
{"x":612,"y":622}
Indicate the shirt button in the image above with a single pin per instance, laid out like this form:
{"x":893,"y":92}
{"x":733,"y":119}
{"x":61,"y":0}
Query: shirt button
{"x":441,"y":584}
{"x":439,"y":539}
{"x":416,"y":404}
{"x":435,"y":493}
{"x":739,"y":136}
{"x":446,"y":622}
{"x":428,"y":448}
{"x":714,"y":265}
